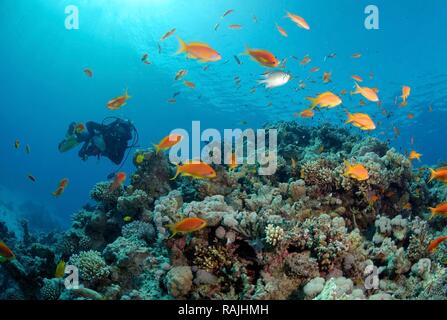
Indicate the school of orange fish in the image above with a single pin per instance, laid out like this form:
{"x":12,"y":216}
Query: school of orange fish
{"x":204,"y":53}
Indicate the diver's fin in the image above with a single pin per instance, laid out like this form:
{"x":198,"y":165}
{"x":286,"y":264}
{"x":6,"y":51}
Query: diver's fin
{"x":68,"y":144}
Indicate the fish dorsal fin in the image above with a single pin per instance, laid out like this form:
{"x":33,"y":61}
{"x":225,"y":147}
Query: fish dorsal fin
{"x":199,"y":44}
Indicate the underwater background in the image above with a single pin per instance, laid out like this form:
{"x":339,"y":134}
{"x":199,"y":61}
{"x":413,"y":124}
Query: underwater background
{"x":44,"y":87}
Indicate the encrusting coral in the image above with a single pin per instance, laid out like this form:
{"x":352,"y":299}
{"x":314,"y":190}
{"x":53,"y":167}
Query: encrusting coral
{"x":307,"y":232}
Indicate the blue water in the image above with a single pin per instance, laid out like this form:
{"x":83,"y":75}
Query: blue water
{"x":43,"y":87}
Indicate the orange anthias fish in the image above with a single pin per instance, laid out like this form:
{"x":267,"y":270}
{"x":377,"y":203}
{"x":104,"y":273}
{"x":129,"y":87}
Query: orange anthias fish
{"x":410,"y":116}
{"x":327,"y":77}
{"x":263,"y":57}
{"x":356,"y":55}
{"x":298,"y":20}
{"x":439,"y":210}
{"x":196,"y":170}
{"x":180,"y":74}
{"x":327,"y":99}
{"x":305,"y":60}
{"x":434,"y":244}
{"x":198,"y":50}
{"x":168,"y":34}
{"x":88,"y":72}
{"x":235,"y":26}
{"x":6,"y":254}
{"x":407,"y":206}
{"x":294,"y":164}
{"x":187,"y":225}
{"x":60,"y":269}
{"x":367,"y":93}
{"x":61,"y":188}
{"x":438,"y":174}
{"x":227,"y":13}
{"x":145,"y":58}
{"x":281,"y":31}
{"x":308,"y":113}
{"x":120,"y":177}
{"x":356,"y":171}
{"x":414,"y":155}
{"x":357,"y":78}
{"x":189,"y":84}
{"x":405,"y":94}
{"x":372,"y":197}
{"x":315,"y":69}
{"x":168,"y":142}
{"x":118,"y":102}
{"x":232,"y":163}
{"x":361,"y":120}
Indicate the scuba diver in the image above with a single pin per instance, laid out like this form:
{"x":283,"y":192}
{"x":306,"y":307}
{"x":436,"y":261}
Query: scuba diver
{"x":101,"y":139}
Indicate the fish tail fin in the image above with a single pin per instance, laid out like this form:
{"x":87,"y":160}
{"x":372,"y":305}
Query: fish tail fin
{"x":357,"y":87}
{"x":433,"y":213}
{"x":346,"y":162}
{"x":126,"y":94}
{"x":177,"y":173}
{"x":246,"y":51}
{"x":157,"y":148}
{"x":347,"y":165}
{"x":349,"y":120}
{"x":313,"y":102}
{"x":432,"y":175}
{"x":183,"y":46}
{"x":172,"y":229}
{"x":404,"y":103}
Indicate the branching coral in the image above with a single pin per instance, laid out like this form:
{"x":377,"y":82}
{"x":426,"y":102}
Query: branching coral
{"x":211,"y":258}
{"x":273,"y":235}
{"x":325,"y":237}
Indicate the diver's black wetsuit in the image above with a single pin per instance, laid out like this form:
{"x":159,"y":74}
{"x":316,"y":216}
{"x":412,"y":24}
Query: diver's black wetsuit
{"x":114,"y":137}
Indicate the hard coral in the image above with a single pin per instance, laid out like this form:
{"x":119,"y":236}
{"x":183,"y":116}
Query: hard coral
{"x":91,"y":265}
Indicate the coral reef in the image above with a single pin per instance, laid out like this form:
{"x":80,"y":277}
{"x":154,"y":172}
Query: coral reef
{"x":306,"y":232}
